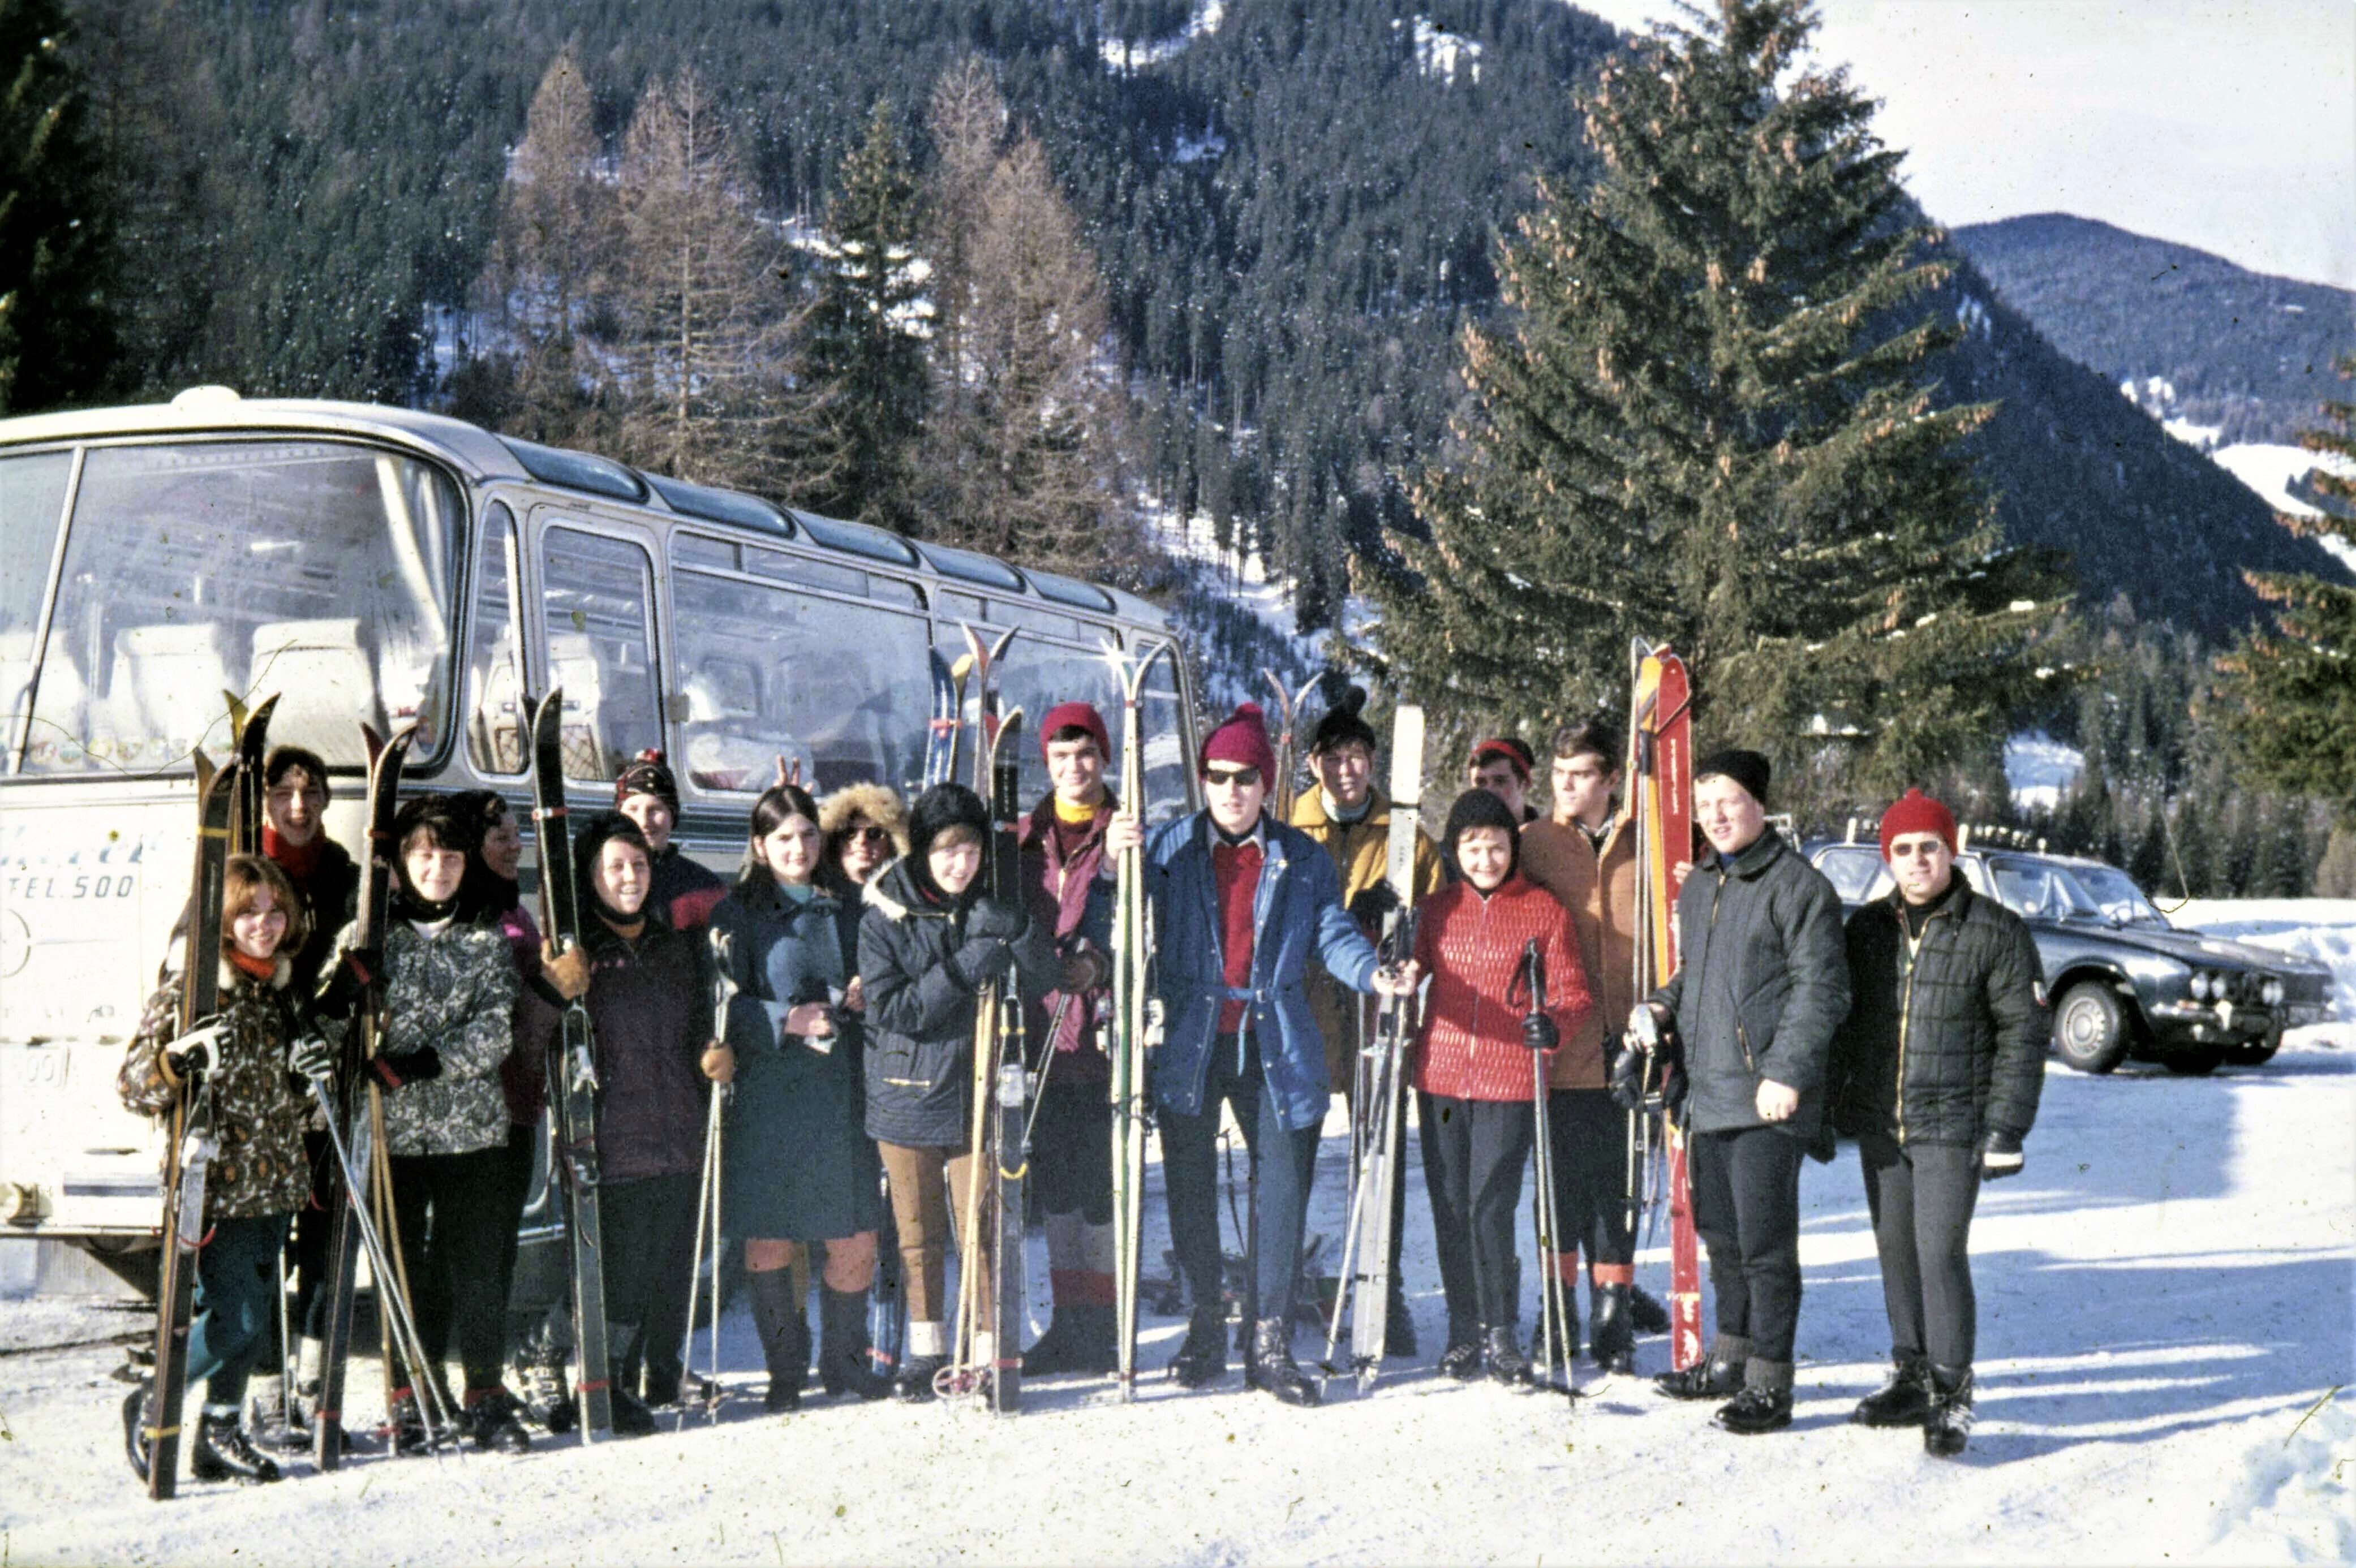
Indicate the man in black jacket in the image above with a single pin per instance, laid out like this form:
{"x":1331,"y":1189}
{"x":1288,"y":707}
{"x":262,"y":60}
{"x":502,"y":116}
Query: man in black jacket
{"x":1936,"y":1073}
{"x":1761,"y":985}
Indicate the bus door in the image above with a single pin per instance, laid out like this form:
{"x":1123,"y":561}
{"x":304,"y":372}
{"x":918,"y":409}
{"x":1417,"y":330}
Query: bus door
{"x":597,"y":621}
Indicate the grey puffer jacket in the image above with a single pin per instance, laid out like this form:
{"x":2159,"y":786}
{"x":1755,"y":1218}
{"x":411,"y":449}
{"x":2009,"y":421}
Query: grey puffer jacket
{"x":1946,"y":1040}
{"x":1762,"y":984}
{"x":455,"y":991}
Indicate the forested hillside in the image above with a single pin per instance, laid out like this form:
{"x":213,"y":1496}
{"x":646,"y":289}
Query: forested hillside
{"x":1293,"y":206}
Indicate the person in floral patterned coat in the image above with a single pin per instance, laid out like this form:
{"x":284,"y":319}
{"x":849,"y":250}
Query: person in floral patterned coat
{"x":256,"y":1054}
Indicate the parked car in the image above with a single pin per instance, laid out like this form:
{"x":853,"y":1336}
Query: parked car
{"x":2123,"y":982}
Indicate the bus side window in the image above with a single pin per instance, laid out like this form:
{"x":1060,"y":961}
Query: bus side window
{"x":32,"y":503}
{"x":494,"y":723}
{"x":596,"y":593}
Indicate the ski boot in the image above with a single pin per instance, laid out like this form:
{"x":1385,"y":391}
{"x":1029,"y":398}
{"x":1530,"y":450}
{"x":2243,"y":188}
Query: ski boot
{"x":844,"y":1356}
{"x":1202,"y":1360}
{"x":785,"y":1337}
{"x":631,"y":1417}
{"x":1763,"y":1405}
{"x":1507,"y":1362}
{"x":493,"y":1419}
{"x":1462,"y":1359}
{"x":223,"y":1453}
{"x":276,"y":1421}
{"x":407,"y":1423}
{"x":1947,"y":1429}
{"x":1399,"y":1323}
{"x":1272,"y":1367}
{"x":915,"y":1383}
{"x":1611,"y":1329}
{"x":1079,"y":1340}
{"x":1904,"y":1401}
{"x":1717,"y":1376}
{"x":547,"y":1398}
{"x":1646,"y":1311}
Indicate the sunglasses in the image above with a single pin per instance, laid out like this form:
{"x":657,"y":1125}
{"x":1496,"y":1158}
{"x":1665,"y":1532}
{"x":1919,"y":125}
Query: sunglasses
{"x":874,"y":837}
{"x":1242,"y":778}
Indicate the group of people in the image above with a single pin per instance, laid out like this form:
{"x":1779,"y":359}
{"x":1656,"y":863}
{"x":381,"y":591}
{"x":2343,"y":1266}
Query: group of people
{"x":832,"y":987}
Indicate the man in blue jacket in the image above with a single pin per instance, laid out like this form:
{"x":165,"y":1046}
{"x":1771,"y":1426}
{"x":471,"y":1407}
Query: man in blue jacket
{"x":1241,"y":903}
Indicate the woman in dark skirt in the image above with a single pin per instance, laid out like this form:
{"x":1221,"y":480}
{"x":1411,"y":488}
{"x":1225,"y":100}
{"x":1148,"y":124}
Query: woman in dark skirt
{"x":799,"y":1166}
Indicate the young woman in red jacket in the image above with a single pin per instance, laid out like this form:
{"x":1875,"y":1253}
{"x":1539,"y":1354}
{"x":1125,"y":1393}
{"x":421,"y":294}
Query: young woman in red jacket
{"x":1473,"y":1072}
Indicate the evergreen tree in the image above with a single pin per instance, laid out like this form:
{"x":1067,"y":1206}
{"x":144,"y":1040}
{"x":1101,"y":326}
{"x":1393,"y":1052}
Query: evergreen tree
{"x":1706,"y":422}
{"x":57,"y":331}
{"x":865,"y":340}
{"x":2288,"y":700}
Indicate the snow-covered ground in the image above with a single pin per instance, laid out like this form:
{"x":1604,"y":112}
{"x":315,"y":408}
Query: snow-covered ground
{"x":2164,"y":1301}
{"x":2040,"y":769}
{"x":2271,"y":469}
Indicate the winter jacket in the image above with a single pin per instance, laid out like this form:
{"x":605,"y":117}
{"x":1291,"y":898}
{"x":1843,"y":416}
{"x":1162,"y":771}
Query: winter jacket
{"x":685,"y":890}
{"x":259,"y":1107}
{"x":1946,"y":1033}
{"x":649,"y":1003}
{"x":920,"y":1007}
{"x":331,"y":894}
{"x":1471,"y":1047}
{"x":539,"y":1021}
{"x":1298,"y":918}
{"x":455,"y":992}
{"x":1762,"y":984}
{"x":1599,"y":889}
{"x":1361,"y":852}
{"x":1072,"y":897}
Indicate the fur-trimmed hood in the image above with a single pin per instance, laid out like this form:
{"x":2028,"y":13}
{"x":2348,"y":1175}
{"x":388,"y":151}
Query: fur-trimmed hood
{"x":893,"y":891}
{"x":879,"y":804}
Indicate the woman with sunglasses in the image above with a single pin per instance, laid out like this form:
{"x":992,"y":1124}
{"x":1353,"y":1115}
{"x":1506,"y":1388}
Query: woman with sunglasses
{"x":799,"y":1168}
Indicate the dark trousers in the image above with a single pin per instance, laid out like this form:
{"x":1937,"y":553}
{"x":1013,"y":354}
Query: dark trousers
{"x":1474,"y":1155}
{"x":1587,"y":1133}
{"x":455,"y":1227}
{"x":1071,"y":1151}
{"x":516,"y":1171}
{"x":1283,"y":1164}
{"x":1746,"y":1192}
{"x":314,"y":1224}
{"x":649,"y":1232}
{"x":1921,"y":1198}
{"x":236,"y":1310}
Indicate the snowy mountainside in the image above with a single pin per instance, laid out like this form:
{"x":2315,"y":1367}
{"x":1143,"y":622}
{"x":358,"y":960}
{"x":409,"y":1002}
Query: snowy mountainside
{"x":2040,"y":770}
{"x":2276,"y":472}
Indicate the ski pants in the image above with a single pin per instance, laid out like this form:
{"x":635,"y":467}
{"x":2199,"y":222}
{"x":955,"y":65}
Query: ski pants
{"x":236,"y":1314}
{"x":1921,"y":1198}
{"x":1474,"y":1155}
{"x":519,"y":1162}
{"x":1283,"y":1165}
{"x":649,"y":1235}
{"x":927,"y":1183}
{"x":1746,"y":1193}
{"x":1071,"y":1160}
{"x":451,"y":1209}
{"x":314,"y":1223}
{"x":1587,"y":1135}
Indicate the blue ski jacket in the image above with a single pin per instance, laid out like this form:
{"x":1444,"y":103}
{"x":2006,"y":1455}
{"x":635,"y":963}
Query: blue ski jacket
{"x":1297,"y":915}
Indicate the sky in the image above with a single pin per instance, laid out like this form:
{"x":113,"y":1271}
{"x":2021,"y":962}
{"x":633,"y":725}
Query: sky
{"x":2230,"y":127}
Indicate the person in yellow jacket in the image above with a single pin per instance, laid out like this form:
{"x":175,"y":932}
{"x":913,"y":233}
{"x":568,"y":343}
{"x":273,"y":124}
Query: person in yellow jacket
{"x":1351,"y":819}
{"x":1584,"y":852}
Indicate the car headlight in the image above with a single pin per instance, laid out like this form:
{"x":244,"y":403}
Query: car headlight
{"x":2199,"y":987}
{"x":2272,"y":993}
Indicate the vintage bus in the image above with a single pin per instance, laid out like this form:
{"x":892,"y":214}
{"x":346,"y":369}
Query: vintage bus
{"x":355,"y":560}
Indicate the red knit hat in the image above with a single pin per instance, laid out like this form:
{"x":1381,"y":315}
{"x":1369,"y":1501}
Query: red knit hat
{"x":1917,"y":813}
{"x":1514,"y":750}
{"x":1242,"y":741}
{"x":1075,"y":716}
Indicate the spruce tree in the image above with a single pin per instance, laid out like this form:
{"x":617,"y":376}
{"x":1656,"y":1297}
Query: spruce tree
{"x":58,"y":330}
{"x":1706,"y":420}
{"x":2288,"y":697}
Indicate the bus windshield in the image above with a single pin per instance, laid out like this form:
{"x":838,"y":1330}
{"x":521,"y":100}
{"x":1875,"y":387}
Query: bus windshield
{"x":321,"y":571}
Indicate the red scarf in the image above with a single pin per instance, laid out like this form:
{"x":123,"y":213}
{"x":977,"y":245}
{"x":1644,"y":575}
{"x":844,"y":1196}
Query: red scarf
{"x":297,"y":861}
{"x":256,"y":969}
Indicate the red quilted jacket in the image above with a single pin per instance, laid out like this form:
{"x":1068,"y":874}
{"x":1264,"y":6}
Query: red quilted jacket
{"x":1470,"y":1046}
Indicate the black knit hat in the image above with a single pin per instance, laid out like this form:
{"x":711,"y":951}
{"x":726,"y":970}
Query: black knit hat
{"x":649,"y":773}
{"x":1481,"y":808}
{"x":595,"y":831}
{"x":1344,"y":724}
{"x":938,"y":810}
{"x":1748,"y":769}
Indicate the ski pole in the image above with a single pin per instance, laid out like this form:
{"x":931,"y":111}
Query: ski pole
{"x":695,"y":1264}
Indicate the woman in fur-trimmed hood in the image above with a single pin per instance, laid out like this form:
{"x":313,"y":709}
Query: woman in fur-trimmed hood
{"x":866,"y":829}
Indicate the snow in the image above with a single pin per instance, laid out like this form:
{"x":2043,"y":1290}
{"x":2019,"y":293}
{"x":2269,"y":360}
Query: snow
{"x":1204,"y":21}
{"x":2039,"y":769}
{"x":2322,"y":930}
{"x":1439,"y":53}
{"x":2164,"y":1301}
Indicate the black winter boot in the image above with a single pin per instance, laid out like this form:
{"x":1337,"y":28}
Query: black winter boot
{"x":1948,"y":1427}
{"x":1079,"y":1340}
{"x":547,"y":1391}
{"x":1273,"y":1368}
{"x":1399,"y":1323}
{"x":1716,"y":1376}
{"x":784,"y":1336}
{"x":844,"y":1362}
{"x":493,"y":1419}
{"x":222,"y":1453}
{"x":1765,"y":1403}
{"x":631,"y":1417}
{"x":1611,"y":1327}
{"x":1507,"y":1362}
{"x":1461,"y":1360}
{"x":1202,"y":1360}
{"x":1904,"y":1401}
{"x":1647,"y":1312}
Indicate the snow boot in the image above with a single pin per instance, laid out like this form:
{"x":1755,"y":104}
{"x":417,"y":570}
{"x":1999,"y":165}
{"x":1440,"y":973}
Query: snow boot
{"x":1765,"y":1403}
{"x":1272,"y":1367}
{"x":1462,"y":1359}
{"x":1646,"y":1311}
{"x":1904,"y":1401}
{"x":844,"y":1359}
{"x":1717,"y":1376}
{"x":1399,"y":1323}
{"x":276,"y":1421}
{"x":1611,"y":1327}
{"x":547,"y":1393}
{"x":136,"y":1422}
{"x":785,"y":1337}
{"x":1079,"y":1340}
{"x":1202,"y":1360}
{"x":223,"y":1453}
{"x":1948,"y":1427}
{"x":494,"y":1418}
{"x":632,"y":1418}
{"x":1507,"y":1362}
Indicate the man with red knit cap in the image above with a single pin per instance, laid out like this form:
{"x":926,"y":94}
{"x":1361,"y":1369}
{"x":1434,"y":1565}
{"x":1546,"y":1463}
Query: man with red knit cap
{"x":1241,"y":904}
{"x":1936,"y":1074}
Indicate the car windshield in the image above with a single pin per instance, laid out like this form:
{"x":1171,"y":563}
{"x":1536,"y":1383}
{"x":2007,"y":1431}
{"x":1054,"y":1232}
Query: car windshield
{"x":2043,"y":890}
{"x":2115,"y":894}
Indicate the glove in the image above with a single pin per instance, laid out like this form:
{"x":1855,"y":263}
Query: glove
{"x":567,"y":973}
{"x":1999,"y":1156}
{"x":399,"y":1070}
{"x":1373,"y":905}
{"x":310,"y":1056}
{"x":1084,"y":969}
{"x":990,"y":918}
{"x":1627,"y":1079}
{"x":1539,"y":1033}
{"x":192,"y":1053}
{"x":981,"y":960}
{"x":1825,"y":1147}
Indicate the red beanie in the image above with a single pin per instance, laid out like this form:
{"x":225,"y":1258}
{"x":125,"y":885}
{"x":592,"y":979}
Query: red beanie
{"x":1242,"y":741}
{"x":1917,"y":813}
{"x":1512,"y":748}
{"x":1075,"y":716}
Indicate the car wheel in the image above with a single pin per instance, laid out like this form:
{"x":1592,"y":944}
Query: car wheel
{"x":2197,"y":1063}
{"x":2256,"y":1055}
{"x":2089,"y":1028}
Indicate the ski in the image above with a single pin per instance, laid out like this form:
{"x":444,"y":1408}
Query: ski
{"x":1660,"y":771}
{"x":1012,"y":1084}
{"x":252,"y":786}
{"x":189,"y":1150}
{"x":940,"y":735}
{"x":385,"y":759}
{"x":1288,"y":706}
{"x":985,"y":657}
{"x":572,"y":1076}
{"x":1131,"y":1011}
